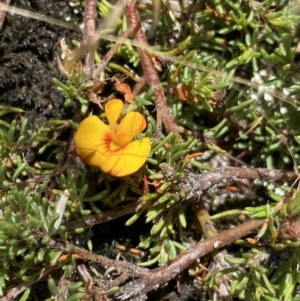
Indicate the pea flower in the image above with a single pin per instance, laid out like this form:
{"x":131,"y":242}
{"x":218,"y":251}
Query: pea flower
{"x":110,"y":147}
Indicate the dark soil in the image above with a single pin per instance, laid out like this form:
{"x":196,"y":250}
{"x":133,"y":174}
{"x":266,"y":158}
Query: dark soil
{"x":27,"y":58}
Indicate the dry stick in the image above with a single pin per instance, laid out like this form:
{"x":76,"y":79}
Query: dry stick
{"x":148,"y":280}
{"x":90,"y":14}
{"x":112,"y":51}
{"x":138,"y":87}
{"x":17,"y":290}
{"x":204,"y":182}
{"x":103,"y":217}
{"x":126,"y":269}
{"x":164,"y":114}
{"x":3,"y":13}
{"x":161,"y":275}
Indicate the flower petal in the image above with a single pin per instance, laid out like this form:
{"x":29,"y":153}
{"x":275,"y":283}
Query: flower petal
{"x":130,"y":126}
{"x":91,"y":141}
{"x":127,"y":159}
{"x":113,"y":110}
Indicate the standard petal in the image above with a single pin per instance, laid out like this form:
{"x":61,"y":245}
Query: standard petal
{"x":92,"y":141}
{"x":127,"y":159}
{"x":113,"y":110}
{"x":130,"y":126}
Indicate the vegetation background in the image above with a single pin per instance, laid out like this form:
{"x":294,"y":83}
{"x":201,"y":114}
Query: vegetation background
{"x":213,"y":215}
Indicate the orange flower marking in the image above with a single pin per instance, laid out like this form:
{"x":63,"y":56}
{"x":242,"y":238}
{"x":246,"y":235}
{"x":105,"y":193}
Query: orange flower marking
{"x":110,"y":147}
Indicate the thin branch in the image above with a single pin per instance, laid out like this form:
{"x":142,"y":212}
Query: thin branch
{"x":3,"y":13}
{"x":147,"y":280}
{"x":103,"y":217}
{"x":90,"y":15}
{"x":208,"y":179}
{"x":112,"y":51}
{"x":161,"y":275}
{"x":125,"y":269}
{"x":139,"y":86}
{"x":164,"y":114}
{"x":199,"y":182}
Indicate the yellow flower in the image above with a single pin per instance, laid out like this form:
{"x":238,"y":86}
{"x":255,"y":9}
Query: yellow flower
{"x":110,"y":147}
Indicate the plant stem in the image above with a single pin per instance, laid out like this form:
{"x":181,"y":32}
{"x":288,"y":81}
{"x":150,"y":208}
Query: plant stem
{"x":90,"y":14}
{"x":164,"y":114}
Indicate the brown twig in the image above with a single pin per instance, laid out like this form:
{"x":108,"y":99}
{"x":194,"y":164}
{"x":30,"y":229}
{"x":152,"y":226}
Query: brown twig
{"x":125,"y":269}
{"x":161,"y":275}
{"x":3,"y":13}
{"x":112,"y":51}
{"x":164,"y":114}
{"x":90,"y":15}
{"x":103,"y":217}
{"x":147,"y":280}
{"x":139,"y":86}
{"x":199,"y":183}
{"x":208,"y":179}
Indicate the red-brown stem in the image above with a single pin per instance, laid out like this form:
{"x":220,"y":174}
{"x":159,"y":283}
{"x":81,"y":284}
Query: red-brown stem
{"x":139,"y":86}
{"x":161,"y":275}
{"x":164,"y":114}
{"x":3,"y":13}
{"x":104,"y":217}
{"x":183,"y":260}
{"x":90,"y":15}
{"x":112,"y":51}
